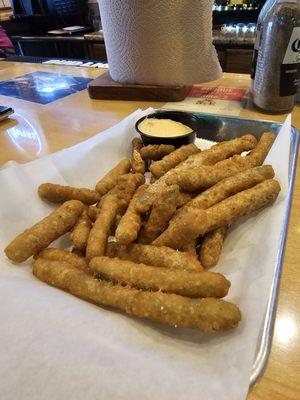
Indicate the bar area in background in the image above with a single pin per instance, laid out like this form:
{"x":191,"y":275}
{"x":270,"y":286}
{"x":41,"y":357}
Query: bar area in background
{"x":71,"y":31}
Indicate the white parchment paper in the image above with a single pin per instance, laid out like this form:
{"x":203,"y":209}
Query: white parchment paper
{"x":56,"y":346}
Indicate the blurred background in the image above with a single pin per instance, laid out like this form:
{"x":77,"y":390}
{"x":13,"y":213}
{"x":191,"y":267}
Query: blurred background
{"x":70,"y":30}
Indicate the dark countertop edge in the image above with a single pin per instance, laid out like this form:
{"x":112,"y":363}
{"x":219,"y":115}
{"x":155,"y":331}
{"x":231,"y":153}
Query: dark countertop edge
{"x":228,"y":42}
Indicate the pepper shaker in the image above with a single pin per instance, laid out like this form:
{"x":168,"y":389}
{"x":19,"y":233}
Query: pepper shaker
{"x":277,"y":75}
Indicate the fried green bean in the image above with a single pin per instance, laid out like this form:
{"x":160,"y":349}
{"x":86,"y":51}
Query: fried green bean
{"x":142,"y":276}
{"x":44,"y":232}
{"x":55,"y":254}
{"x":208,"y":314}
{"x":211,"y":247}
{"x":155,"y":256}
{"x":81,"y":231}
{"x":110,"y":179}
{"x":196,"y":222}
{"x":97,"y":241}
{"x":60,"y":193}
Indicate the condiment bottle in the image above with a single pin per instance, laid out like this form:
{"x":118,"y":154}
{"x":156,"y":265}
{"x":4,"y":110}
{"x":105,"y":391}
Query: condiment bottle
{"x":267,"y":7}
{"x":278,"y":63}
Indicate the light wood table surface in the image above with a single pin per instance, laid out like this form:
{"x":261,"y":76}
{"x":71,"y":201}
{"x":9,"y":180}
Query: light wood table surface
{"x":36,"y":130}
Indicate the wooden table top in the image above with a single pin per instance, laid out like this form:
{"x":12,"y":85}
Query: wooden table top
{"x":37,"y":130}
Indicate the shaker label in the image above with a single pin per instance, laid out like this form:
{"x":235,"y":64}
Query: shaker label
{"x":289,"y":79}
{"x":292,"y":54}
{"x":290,"y":68}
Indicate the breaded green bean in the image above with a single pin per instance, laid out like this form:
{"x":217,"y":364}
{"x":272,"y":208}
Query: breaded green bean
{"x":125,"y":189}
{"x":54,"y":254}
{"x":184,"y":229}
{"x":219,"y":152}
{"x":60,"y":193}
{"x":156,"y":151}
{"x":211,"y":247}
{"x":206,"y":176}
{"x":207,"y":314}
{"x":137,"y":163}
{"x":97,"y":240}
{"x":141,"y":276}
{"x":227,"y":187}
{"x":170,"y":161}
{"x":131,"y":222}
{"x":110,"y":179}
{"x":203,"y":177}
{"x":155,"y":256}
{"x":81,"y":231}
{"x":257,"y":155}
{"x":145,"y":202}
{"x":205,"y":158}
{"x":260,"y":152}
{"x":162,"y":211}
{"x":242,"y":203}
{"x":44,"y":232}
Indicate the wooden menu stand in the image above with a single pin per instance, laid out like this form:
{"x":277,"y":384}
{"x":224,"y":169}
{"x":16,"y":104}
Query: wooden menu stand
{"x":105,"y":88}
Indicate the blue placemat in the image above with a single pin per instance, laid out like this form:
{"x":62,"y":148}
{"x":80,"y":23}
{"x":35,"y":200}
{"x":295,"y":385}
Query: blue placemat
{"x":43,"y":87}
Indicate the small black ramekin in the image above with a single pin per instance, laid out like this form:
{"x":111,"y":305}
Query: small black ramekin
{"x":185,"y":118}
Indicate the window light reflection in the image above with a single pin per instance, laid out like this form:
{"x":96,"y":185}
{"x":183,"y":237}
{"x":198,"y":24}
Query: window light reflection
{"x":46,"y":88}
{"x":24,"y":131}
{"x":286,"y":329}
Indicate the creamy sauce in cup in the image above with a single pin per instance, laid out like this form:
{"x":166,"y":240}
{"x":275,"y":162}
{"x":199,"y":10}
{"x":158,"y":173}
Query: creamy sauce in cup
{"x":163,"y":127}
